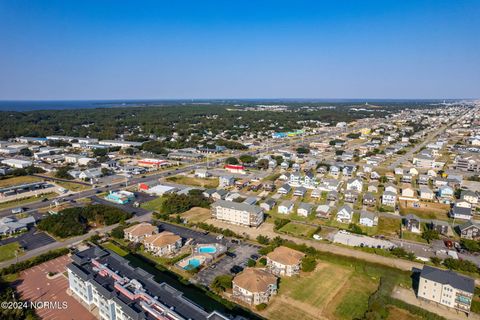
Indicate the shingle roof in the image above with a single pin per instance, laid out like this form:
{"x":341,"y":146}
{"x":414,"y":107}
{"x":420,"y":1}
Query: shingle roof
{"x":255,"y":280}
{"x":448,"y":277}
{"x":286,"y":256}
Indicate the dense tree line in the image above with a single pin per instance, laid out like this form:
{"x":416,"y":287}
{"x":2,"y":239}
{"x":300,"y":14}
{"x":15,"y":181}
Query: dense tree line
{"x":76,"y":221}
{"x":108,"y":123}
{"x":178,"y":203}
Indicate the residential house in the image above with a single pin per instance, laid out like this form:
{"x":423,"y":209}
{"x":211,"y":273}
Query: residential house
{"x":345,"y":214}
{"x":284,"y":261}
{"x":285,"y":189}
{"x":412,"y":223}
{"x":323,"y":211}
{"x":351,"y":196}
{"x":304,"y":209}
{"x":254,"y":286}
{"x":471,"y":197}
{"x":368,"y":219}
{"x":441,"y":227}
{"x":373,"y":188}
{"x":286,"y":207}
{"x":446,"y":192}
{"x":389,"y":199}
{"x":226,"y":181}
{"x":332,"y":196}
{"x":408,"y":192}
{"x":300,"y":191}
{"x":219,"y":194}
{"x":202,"y":173}
{"x":163,"y":244}
{"x":138,"y":232}
{"x":423,"y":179}
{"x":268,"y":204}
{"x":407,"y":178}
{"x":369,"y":199}
{"x":470,"y":230}
{"x":316,"y":193}
{"x":426,"y":193}
{"x":355,"y":184}
{"x":463,"y":213}
{"x":391,"y":188}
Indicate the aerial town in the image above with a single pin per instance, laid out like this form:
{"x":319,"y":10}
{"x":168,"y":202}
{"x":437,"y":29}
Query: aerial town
{"x":337,"y":220}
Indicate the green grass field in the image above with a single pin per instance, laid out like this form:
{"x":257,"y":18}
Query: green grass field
{"x":193,"y":181}
{"x":17,"y":180}
{"x":115,"y":248}
{"x":298,"y":229}
{"x":331,"y":291}
{"x":153,"y":205}
{"x":7,"y":251}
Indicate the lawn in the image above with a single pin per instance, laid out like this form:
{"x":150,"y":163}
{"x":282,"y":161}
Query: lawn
{"x":388,"y":226}
{"x":193,"y":181}
{"x":427,"y":210}
{"x":19,"y":202}
{"x":197,"y":214}
{"x":18,"y":180}
{"x":298,"y":229}
{"x":332,"y":291}
{"x":7,"y":251}
{"x":395,"y":313}
{"x":115,"y":248}
{"x":153,"y":205}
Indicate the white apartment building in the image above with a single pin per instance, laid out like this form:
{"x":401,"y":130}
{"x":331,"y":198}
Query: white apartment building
{"x":237,"y":213}
{"x":446,"y":288}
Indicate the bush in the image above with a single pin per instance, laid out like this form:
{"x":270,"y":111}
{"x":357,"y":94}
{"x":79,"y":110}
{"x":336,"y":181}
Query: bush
{"x":263,"y":239}
{"x":251,"y":263}
{"x":279,"y":223}
{"x":261,"y":306}
{"x":178,"y":203}
{"x":222,"y":283}
{"x":262,"y":261}
{"x":309,"y":263}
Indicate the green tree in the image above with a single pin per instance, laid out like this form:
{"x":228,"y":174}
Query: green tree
{"x":222,"y":283}
{"x":232,"y":160}
{"x":309,"y":263}
{"x":246,"y":158}
{"x":430,"y":234}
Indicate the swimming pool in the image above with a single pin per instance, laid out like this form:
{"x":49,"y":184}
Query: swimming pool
{"x":192,"y":264}
{"x":209,"y":249}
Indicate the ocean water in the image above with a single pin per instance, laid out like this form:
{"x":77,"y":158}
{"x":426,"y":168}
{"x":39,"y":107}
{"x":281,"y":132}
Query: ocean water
{"x":30,"y":105}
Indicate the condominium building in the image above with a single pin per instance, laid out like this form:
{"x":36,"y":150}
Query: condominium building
{"x":237,"y":213}
{"x":284,"y":261}
{"x":162,"y":244}
{"x":138,"y":232}
{"x":254,"y":286}
{"x":446,"y":288}
{"x":114,"y":290}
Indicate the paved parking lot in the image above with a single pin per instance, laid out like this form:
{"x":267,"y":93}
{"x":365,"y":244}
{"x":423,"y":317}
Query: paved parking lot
{"x":30,"y":240}
{"x":33,"y":285}
{"x":243,"y":253}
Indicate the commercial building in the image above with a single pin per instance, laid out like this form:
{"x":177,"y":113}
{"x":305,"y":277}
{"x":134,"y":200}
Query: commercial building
{"x":120,"y":143}
{"x":447,"y":288}
{"x":120,"y":197}
{"x":16,"y":163}
{"x":237,"y":213}
{"x":114,"y":290}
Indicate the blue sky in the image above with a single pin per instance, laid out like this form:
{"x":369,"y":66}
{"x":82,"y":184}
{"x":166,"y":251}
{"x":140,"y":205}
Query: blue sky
{"x":239,"y":49}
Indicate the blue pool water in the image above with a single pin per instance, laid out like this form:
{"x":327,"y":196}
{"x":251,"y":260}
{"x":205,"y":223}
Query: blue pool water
{"x":192,"y":264}
{"x":207,"y":250}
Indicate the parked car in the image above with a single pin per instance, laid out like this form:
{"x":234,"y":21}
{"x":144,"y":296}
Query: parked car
{"x":236,"y":269}
{"x":231,"y":254}
{"x":254,"y":257}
